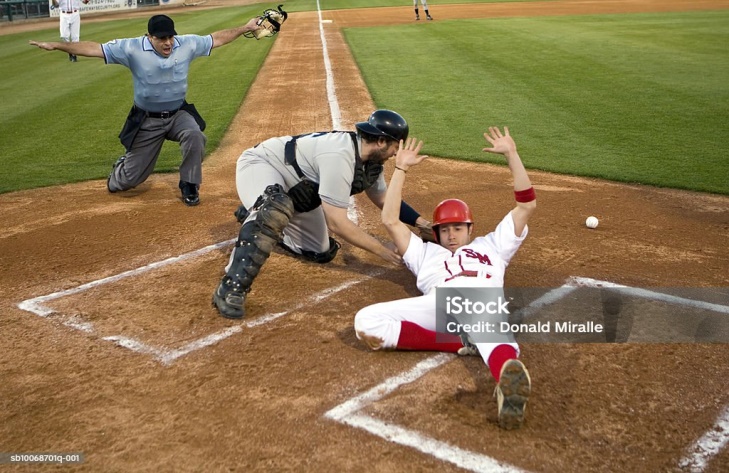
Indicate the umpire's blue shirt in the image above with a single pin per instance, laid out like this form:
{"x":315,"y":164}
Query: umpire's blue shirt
{"x":160,"y":83}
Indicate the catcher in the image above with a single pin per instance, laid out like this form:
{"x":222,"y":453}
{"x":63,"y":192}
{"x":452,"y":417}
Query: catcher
{"x":294,"y":189}
{"x":159,"y":62}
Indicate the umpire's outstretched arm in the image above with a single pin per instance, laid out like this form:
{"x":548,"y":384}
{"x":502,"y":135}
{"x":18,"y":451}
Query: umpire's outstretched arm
{"x":79,"y":48}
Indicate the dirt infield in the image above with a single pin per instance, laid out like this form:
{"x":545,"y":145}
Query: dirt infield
{"x":139,"y":373}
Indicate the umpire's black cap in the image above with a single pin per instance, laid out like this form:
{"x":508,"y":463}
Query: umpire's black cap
{"x":161,"y":26}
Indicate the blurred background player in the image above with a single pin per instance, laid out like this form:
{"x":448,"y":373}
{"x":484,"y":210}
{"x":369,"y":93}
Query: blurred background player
{"x":454,"y":261}
{"x":425,"y":9}
{"x":70,"y":21}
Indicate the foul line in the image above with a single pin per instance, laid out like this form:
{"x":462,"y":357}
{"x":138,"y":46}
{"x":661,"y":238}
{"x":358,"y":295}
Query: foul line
{"x":335,"y":111}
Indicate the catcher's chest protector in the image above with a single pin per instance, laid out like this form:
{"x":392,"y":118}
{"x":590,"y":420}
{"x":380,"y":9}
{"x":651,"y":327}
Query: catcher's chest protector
{"x":365,"y":174}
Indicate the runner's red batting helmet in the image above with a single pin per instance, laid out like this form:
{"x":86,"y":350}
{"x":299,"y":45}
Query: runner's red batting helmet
{"x":450,"y":211}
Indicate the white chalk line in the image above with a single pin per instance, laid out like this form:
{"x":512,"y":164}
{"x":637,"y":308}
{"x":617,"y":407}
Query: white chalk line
{"x":36,"y":306}
{"x":465,"y":459}
{"x":710,"y":444}
{"x":334,"y":110}
{"x":348,"y":413}
{"x":165,"y":355}
{"x":716,"y":438}
{"x":646,"y":294}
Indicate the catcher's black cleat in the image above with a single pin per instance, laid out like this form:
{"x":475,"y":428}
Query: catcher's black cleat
{"x":230,"y":304}
{"x":241,"y":213}
{"x":190,"y":195}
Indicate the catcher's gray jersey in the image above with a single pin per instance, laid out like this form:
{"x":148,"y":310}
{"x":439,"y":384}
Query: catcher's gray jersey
{"x":325,"y":158}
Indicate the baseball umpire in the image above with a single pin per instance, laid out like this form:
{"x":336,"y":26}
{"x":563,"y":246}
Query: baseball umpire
{"x":159,"y":62}
{"x":294,"y":189}
{"x":455,"y":260}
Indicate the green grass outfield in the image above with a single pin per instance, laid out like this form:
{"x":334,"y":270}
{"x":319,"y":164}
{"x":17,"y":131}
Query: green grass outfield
{"x":633,"y":98}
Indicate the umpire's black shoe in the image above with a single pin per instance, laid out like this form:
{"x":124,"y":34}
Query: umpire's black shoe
{"x":190,"y":195}
{"x":113,"y":168}
{"x":229,"y":303}
{"x":72,"y":58}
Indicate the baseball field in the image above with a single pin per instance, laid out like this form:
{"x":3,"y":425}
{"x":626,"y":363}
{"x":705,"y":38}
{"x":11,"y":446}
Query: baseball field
{"x":109,"y":347}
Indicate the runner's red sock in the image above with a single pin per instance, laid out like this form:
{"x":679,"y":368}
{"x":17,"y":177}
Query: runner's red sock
{"x":415,"y":337}
{"x":500,"y":355}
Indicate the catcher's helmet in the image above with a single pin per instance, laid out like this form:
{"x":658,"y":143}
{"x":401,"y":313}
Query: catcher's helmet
{"x":450,"y":211}
{"x":385,"y":123}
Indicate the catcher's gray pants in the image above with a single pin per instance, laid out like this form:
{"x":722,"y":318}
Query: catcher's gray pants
{"x":305,"y":231}
{"x":140,"y":160}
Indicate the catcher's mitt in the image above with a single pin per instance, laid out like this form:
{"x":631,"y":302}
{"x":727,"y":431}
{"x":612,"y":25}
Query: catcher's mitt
{"x":270,"y":23}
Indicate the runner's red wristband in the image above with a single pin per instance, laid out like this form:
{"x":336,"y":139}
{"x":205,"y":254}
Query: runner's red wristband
{"x":527,"y":195}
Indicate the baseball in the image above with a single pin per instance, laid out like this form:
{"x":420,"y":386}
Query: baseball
{"x":591,"y":222}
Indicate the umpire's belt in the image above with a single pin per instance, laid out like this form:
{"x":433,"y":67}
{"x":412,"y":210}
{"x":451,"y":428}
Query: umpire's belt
{"x":165,"y":114}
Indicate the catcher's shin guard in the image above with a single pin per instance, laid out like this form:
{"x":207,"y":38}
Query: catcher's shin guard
{"x":256,"y":239}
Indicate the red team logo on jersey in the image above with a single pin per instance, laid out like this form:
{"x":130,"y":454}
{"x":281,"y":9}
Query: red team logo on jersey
{"x":483,"y":259}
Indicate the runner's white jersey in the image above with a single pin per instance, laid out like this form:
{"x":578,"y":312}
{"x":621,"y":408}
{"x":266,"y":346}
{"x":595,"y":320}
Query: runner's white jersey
{"x":435,"y":266}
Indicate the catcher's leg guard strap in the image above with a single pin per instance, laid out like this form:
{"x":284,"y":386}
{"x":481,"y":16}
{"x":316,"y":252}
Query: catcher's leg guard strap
{"x":325,"y":257}
{"x":257,"y":238}
{"x":320,"y":258}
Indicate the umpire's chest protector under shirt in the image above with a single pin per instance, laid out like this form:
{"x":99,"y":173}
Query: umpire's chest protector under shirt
{"x":160,"y":83}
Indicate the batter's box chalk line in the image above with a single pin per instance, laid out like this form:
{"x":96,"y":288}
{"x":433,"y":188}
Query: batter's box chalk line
{"x":349,"y":412}
{"x":166,"y":355}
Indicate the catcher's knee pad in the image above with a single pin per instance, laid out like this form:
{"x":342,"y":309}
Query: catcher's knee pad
{"x":275,"y":209}
{"x":257,"y":238}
